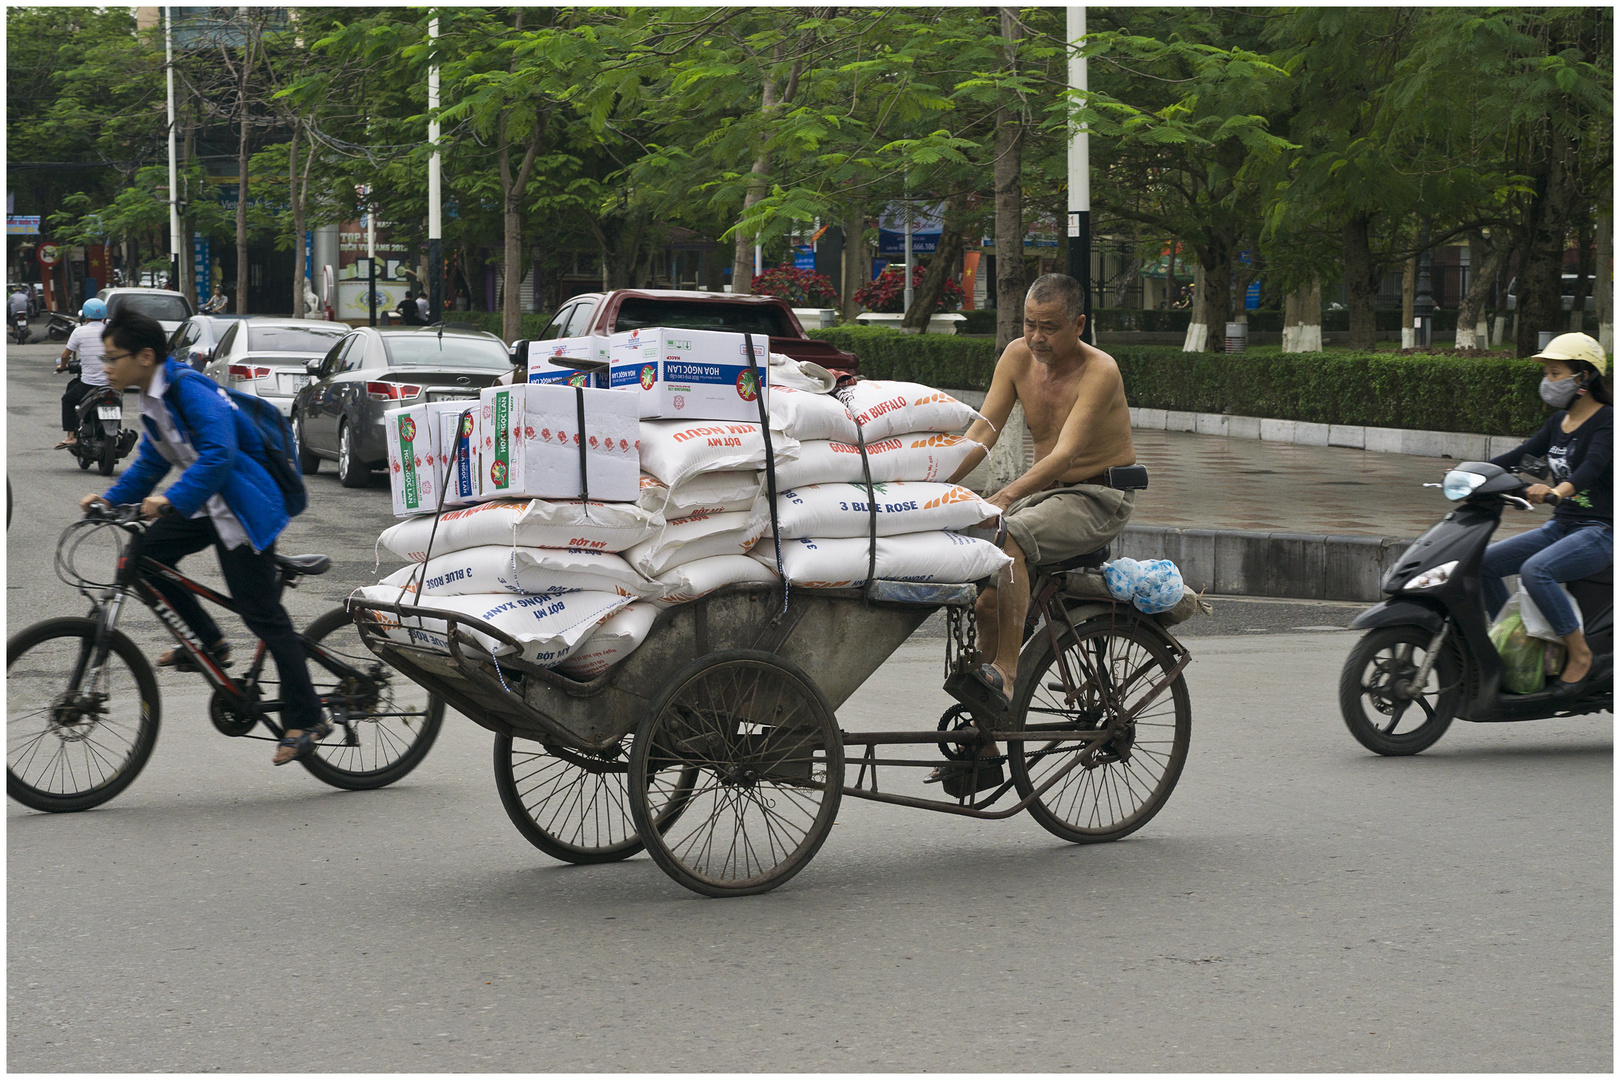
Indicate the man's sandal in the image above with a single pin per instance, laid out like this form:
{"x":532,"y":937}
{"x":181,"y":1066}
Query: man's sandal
{"x":303,"y":744}
{"x":980,"y":688}
{"x":181,"y":660}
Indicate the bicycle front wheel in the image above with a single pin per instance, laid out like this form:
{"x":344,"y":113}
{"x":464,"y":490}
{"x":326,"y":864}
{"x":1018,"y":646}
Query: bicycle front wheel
{"x":392,"y":721}
{"x":79,"y":727}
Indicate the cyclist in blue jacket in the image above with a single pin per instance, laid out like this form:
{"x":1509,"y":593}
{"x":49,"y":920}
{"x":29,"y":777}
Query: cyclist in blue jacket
{"x":224,"y":498}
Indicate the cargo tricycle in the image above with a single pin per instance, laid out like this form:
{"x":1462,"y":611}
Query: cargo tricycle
{"x":716,"y":746}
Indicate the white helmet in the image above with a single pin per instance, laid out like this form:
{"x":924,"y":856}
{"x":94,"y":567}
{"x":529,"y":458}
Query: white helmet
{"x":1582,"y":347}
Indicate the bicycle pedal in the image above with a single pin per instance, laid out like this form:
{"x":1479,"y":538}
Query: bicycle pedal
{"x":961,"y":784}
{"x":962,"y":686}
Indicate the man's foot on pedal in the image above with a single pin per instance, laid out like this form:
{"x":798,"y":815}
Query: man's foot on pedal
{"x":180,"y":660}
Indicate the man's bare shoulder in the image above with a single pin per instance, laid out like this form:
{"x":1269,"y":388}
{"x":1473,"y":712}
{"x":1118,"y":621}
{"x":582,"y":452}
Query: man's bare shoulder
{"x":1016,"y":356}
{"x":1096,"y":358}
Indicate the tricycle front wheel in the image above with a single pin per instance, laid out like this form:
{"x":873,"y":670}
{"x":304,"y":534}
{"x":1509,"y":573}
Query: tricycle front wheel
{"x":769,"y":767}
{"x":574,"y":805}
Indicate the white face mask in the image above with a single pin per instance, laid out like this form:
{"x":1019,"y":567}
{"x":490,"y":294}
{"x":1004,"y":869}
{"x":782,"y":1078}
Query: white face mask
{"x":1559,"y":393}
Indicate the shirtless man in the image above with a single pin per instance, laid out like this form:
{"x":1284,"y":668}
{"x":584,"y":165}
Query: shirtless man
{"x":1074,"y":404}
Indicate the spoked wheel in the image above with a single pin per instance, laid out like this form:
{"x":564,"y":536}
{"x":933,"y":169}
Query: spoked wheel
{"x":392,"y":720}
{"x":1382,"y":706}
{"x":1127,"y":769}
{"x":769,"y":767}
{"x":575,"y":806}
{"x":79,"y":728}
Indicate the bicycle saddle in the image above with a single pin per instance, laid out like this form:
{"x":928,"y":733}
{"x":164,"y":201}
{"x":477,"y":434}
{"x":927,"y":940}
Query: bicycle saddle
{"x":305,"y":564}
{"x":1090,"y":558}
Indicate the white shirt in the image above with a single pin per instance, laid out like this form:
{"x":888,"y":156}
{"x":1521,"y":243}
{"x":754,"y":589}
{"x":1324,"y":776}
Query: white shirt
{"x":86,"y":341}
{"x":178,"y":451}
{"x":19,"y":301}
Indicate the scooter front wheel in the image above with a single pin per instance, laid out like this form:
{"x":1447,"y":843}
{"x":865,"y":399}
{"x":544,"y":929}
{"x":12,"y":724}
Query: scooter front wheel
{"x":1383,"y":708}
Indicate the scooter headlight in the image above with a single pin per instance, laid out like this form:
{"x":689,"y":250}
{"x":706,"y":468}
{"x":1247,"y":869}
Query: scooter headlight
{"x":1460,"y":485}
{"x":1434,"y":575}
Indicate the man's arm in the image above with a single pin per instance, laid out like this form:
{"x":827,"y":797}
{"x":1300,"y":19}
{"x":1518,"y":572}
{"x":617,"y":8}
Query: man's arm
{"x":997,"y":407}
{"x":1097,"y":387}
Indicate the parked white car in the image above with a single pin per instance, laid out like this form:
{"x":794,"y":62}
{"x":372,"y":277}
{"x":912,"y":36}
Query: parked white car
{"x":268,"y":356}
{"x":169,"y":308}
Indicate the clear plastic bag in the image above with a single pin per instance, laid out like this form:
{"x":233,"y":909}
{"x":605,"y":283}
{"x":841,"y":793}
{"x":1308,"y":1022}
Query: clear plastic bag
{"x":1523,"y":656}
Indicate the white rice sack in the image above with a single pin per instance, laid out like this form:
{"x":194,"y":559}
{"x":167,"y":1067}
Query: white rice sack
{"x":727,"y":491}
{"x":611,"y":642}
{"x":839,"y":510}
{"x":544,"y":523}
{"x":921,"y":456}
{"x":532,"y":571}
{"x":804,"y":415}
{"x":883,"y":408}
{"x":700,"y":535}
{"x":800,"y":375}
{"x":928,"y":556}
{"x":548,"y":628}
{"x":675,"y":450}
{"x":689,"y":581}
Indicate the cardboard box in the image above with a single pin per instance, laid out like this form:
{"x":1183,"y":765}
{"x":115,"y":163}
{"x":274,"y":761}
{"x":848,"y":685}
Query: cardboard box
{"x":529,"y":443}
{"x":413,"y":452}
{"x":690,"y":374}
{"x":457,"y":439}
{"x":543,"y":369}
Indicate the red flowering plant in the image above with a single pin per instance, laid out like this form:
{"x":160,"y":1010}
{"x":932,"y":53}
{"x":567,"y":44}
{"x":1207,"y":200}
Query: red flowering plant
{"x":888,"y":293}
{"x":800,"y":288}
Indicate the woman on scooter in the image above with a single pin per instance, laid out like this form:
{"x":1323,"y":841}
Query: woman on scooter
{"x":1578,"y":443}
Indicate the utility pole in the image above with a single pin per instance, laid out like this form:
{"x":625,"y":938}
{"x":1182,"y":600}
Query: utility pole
{"x":174,"y":172}
{"x":907,"y":307}
{"x":1080,"y":176}
{"x":435,"y":220}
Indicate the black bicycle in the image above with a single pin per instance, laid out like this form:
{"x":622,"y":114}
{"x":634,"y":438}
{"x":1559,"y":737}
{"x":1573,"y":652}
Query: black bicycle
{"x":82,"y":707}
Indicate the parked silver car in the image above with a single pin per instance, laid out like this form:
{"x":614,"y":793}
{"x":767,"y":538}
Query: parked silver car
{"x":339,"y":416}
{"x":198,"y":336}
{"x":269,"y":357}
{"x":169,"y":308}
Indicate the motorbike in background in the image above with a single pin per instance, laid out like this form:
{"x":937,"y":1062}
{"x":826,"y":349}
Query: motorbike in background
{"x":1428,"y":657}
{"x":102,"y":438}
{"x":59,"y":327}
{"x":19,"y":327}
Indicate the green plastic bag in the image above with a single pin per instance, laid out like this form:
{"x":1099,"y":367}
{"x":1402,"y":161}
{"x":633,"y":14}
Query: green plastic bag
{"x":1522,"y":655}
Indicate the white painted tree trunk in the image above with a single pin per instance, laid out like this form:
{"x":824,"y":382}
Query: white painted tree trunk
{"x":1603,"y":282}
{"x":1198,"y":329}
{"x":1007,"y":456}
{"x":1408,"y":302}
{"x":1302,"y":319}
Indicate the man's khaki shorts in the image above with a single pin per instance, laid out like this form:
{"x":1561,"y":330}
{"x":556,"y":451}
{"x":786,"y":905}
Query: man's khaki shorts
{"x":1065,"y":523}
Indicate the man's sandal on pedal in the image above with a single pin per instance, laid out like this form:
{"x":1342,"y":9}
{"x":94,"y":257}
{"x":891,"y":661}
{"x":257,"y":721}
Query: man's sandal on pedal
{"x":980,"y":688}
{"x":181,"y":660}
{"x":303,"y":744}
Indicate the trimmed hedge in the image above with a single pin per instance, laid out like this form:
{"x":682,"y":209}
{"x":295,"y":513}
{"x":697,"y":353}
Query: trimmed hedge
{"x":529,"y":326}
{"x":1127,"y":319}
{"x":1487,"y":395}
{"x":979,"y":321}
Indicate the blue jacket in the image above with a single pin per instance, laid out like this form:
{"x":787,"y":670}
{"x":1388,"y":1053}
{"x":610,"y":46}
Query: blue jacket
{"x":228,"y":446}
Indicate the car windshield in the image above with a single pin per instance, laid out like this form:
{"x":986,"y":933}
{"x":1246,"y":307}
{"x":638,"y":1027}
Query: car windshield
{"x":641,"y":311}
{"x":427,"y":349}
{"x":169,"y":308}
{"x":299,"y":339}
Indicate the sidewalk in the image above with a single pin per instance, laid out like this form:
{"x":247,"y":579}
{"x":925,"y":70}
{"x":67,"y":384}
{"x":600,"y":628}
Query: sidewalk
{"x":1246,"y":517}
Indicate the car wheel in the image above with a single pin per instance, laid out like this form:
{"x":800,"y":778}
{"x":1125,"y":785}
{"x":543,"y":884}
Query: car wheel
{"x":308,"y":463}
{"x":352,"y":472}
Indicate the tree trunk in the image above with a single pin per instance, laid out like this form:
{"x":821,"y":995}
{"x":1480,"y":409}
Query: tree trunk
{"x":1127,"y":280}
{"x":1583,"y":275}
{"x":242,"y":179}
{"x":1197,"y":322}
{"x":297,"y":202}
{"x":1302,"y":319}
{"x":855,"y":262}
{"x":1361,"y":276}
{"x":1471,"y":312}
{"x":513,"y":187}
{"x":773,"y":99}
{"x":1008,"y":180}
{"x":1408,"y":302}
{"x":1541,"y":265}
{"x":1212,"y":299}
{"x":1603,"y":285}
{"x":941,"y":265}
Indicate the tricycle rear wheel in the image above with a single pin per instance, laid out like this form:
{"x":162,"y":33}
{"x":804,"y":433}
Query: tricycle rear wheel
{"x":769,"y":766}
{"x":575,"y":805}
{"x":1114,"y":664}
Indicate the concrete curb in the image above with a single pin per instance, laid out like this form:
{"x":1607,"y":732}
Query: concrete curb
{"x":1413,"y":443}
{"x":1301,"y":566}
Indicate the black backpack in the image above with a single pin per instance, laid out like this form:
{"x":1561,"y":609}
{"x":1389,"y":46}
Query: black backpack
{"x":279,"y":455}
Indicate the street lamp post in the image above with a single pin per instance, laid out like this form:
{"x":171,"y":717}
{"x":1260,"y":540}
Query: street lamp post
{"x":1080,"y":176}
{"x":1423,"y":303}
{"x":435,"y":220}
{"x":174,"y":173}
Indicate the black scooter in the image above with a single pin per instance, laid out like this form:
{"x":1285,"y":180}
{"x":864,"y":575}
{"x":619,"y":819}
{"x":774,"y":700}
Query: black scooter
{"x":19,"y":327}
{"x":102,"y":438}
{"x":59,"y":327}
{"x":1428,"y":657}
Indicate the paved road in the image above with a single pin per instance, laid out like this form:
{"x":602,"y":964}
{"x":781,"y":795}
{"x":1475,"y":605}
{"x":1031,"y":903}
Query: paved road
{"x":1299,"y":904}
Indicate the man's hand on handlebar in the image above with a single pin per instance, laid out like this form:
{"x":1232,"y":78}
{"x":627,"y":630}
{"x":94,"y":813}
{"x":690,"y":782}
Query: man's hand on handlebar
{"x":152,"y":507}
{"x":90,"y":503}
{"x":1541,"y":493}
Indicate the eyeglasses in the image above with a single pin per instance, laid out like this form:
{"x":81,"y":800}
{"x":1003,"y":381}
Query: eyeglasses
{"x":113,"y":358}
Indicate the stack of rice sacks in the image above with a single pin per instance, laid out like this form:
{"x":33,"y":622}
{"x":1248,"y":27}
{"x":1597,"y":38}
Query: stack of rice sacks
{"x":580,"y":585}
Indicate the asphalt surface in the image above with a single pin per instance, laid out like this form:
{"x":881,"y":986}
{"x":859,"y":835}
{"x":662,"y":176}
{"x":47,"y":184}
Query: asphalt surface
{"x":1299,"y":904}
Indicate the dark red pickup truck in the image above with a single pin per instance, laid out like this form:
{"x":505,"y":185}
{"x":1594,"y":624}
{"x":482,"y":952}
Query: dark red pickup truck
{"x":633,"y":309}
